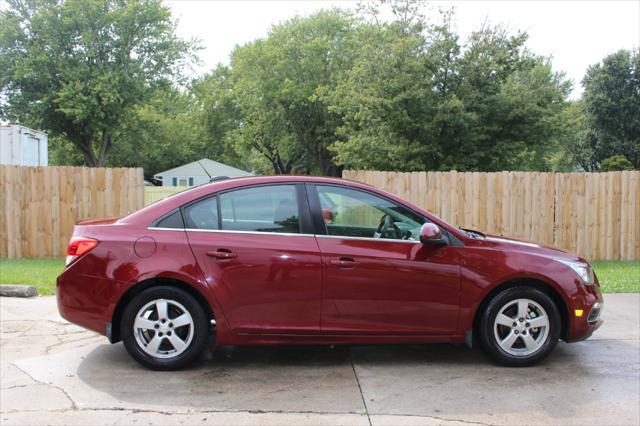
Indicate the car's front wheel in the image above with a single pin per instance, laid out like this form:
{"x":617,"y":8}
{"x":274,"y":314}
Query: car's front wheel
{"x":520,"y":326}
{"x":164,"y":328}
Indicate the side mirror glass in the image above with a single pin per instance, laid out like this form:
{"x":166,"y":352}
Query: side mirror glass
{"x":430,"y":234}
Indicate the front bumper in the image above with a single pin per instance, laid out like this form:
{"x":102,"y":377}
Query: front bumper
{"x":586,"y":317}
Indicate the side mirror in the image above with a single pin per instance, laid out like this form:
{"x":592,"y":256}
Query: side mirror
{"x":430,"y":234}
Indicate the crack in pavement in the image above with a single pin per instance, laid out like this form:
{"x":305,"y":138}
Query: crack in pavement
{"x":366,"y":410}
{"x":64,"y":392}
{"x":200,"y":412}
{"x":49,"y":348}
{"x":444,"y":419}
{"x":17,"y":386}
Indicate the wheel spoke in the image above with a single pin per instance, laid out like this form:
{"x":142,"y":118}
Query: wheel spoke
{"x":529,"y":341}
{"x":502,"y":319}
{"x":541,"y":321}
{"x":144,"y":323}
{"x":182,"y":320}
{"x":156,"y":335}
{"x":162,"y":308}
{"x":523,"y":306}
{"x":178,"y":344}
{"x":153,"y":345}
{"x":508,"y":341}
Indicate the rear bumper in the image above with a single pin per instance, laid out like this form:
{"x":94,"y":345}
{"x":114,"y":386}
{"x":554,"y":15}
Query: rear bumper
{"x":81,"y":300}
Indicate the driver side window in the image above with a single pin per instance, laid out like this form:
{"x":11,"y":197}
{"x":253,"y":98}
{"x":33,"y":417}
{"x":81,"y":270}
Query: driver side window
{"x":353,"y":213}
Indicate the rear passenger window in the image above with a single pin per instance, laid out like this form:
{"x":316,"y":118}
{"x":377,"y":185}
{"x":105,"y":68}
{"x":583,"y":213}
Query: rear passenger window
{"x":202,"y":214}
{"x":172,"y":220}
{"x":261,"y":209}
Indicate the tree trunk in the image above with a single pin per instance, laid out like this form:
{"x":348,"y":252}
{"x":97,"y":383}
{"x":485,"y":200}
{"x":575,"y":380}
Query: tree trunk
{"x":104,"y":148}
{"x":85,"y":146}
{"x":327,"y":167}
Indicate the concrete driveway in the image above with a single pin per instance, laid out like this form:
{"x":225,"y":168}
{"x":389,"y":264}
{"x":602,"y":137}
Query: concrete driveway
{"x":56,"y":373}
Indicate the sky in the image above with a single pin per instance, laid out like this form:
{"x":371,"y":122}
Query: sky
{"x":575,"y":34}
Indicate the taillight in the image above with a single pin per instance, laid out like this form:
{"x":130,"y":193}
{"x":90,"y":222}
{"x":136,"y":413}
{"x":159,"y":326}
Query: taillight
{"x":79,"y":246}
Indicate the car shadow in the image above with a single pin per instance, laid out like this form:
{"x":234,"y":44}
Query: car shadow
{"x":283,"y":378}
{"x":436,"y":380}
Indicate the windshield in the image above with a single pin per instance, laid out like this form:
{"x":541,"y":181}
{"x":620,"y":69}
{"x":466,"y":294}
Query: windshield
{"x":473,"y":234}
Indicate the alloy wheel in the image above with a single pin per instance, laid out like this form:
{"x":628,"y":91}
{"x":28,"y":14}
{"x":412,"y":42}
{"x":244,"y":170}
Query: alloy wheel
{"x":163,"y":328}
{"x":521,"y":327}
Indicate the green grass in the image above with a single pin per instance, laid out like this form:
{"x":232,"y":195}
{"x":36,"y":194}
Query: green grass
{"x":618,"y":276}
{"x":614,"y":276}
{"x":39,"y":272}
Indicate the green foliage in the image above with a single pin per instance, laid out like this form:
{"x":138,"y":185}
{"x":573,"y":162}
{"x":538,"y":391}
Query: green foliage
{"x":216,"y":114}
{"x":612,"y":110}
{"x":79,"y":69}
{"x":317,"y":94}
{"x":416,"y":99}
{"x":616,"y":163}
{"x":334,"y":90}
{"x":278,"y":87}
{"x":159,"y":135}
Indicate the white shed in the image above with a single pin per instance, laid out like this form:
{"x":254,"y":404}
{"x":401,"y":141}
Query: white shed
{"x":197,"y":173}
{"x":21,"y":146}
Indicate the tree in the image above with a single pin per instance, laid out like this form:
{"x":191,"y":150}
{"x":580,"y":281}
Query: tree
{"x":616,"y":163}
{"x":216,"y":113}
{"x":279,"y":83}
{"x":383,"y":98}
{"x":612,"y":108}
{"x":79,"y":69}
{"x":161,"y":134}
{"x":416,"y":99}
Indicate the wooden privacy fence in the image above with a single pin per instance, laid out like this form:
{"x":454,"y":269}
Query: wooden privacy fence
{"x":596,"y":215}
{"x":40,"y":205}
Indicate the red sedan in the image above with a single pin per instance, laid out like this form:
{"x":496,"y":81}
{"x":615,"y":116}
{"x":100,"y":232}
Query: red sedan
{"x":308,"y":260}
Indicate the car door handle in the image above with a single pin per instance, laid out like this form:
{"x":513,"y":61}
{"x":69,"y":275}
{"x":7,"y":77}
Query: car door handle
{"x":222,"y":254}
{"x":344,"y":262}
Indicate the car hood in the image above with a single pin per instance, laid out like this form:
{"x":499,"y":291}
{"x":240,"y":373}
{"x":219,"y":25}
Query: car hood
{"x":513,"y":244}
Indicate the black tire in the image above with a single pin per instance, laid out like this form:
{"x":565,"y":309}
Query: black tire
{"x":546,"y":345}
{"x":196,"y":343}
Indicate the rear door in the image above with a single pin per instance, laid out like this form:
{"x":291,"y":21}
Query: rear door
{"x":257,"y":250}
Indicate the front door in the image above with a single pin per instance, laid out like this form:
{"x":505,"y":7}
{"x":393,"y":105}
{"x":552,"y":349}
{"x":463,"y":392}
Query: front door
{"x":377,"y":277}
{"x":263,"y":269}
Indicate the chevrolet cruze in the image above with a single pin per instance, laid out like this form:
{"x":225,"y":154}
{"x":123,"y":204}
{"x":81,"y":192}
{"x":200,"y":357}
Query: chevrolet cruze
{"x":309,"y":260}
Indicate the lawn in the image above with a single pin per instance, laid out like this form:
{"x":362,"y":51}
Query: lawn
{"x":40,"y":272}
{"x":618,"y":276}
{"x":614,"y":276}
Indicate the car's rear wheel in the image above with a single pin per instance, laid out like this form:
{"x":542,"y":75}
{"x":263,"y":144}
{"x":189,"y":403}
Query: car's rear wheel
{"x":520,"y":326}
{"x":164,"y":328}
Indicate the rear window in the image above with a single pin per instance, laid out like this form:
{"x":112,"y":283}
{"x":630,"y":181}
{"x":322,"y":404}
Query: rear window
{"x":172,"y":220}
{"x":203,"y":214}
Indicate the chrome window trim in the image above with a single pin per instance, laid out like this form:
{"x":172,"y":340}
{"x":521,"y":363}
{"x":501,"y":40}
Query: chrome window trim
{"x":286,"y":234}
{"x":368,"y":239}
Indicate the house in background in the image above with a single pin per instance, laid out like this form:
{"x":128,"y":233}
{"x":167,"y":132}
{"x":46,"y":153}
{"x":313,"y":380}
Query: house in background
{"x":21,"y":146}
{"x":197,"y":173}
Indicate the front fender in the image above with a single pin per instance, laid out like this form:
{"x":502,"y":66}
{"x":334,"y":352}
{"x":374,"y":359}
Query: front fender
{"x":478,"y":280}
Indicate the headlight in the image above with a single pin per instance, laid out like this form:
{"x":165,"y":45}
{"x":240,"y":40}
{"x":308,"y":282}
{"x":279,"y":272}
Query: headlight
{"x":583,"y":270}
